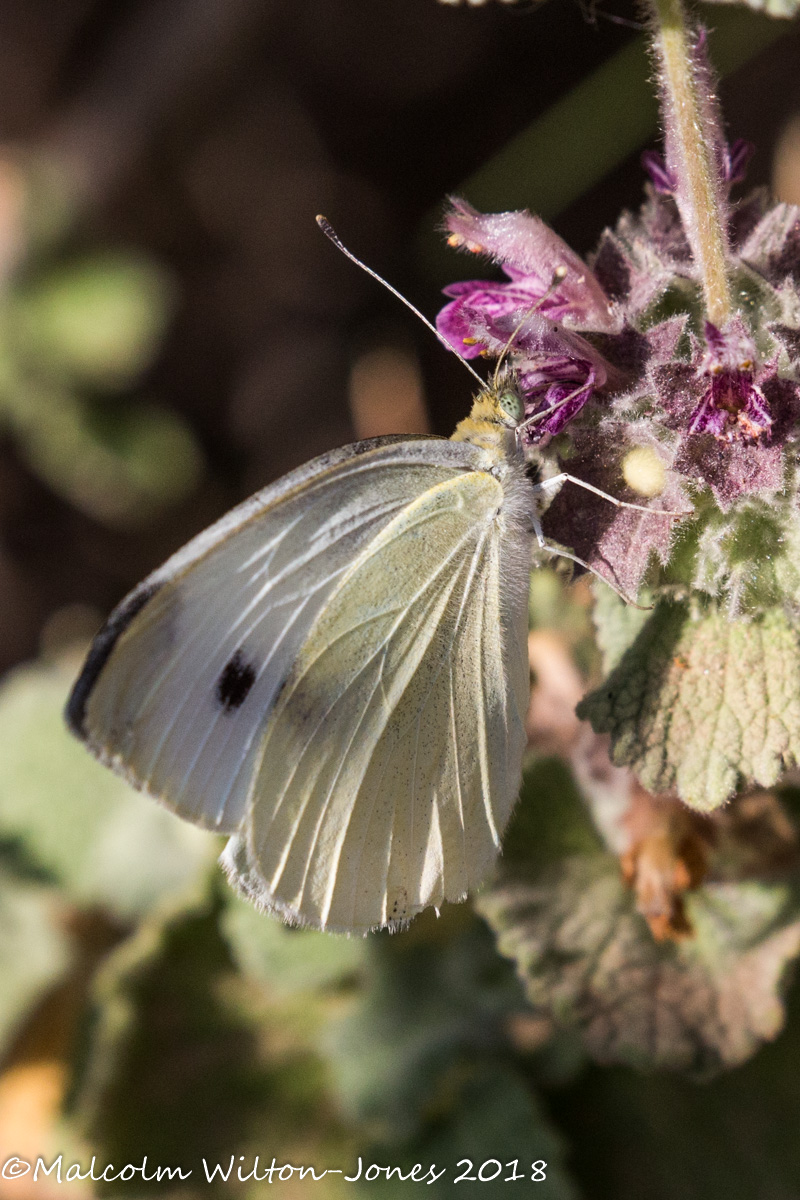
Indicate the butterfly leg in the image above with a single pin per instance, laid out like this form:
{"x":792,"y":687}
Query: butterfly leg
{"x":550,"y":548}
{"x":563,"y":477}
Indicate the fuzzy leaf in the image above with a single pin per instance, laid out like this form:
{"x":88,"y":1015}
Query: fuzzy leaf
{"x":700,"y":705}
{"x":431,"y":998}
{"x":100,"y":840}
{"x":184,"y":1059}
{"x":493,"y":1115}
{"x":773,"y":8}
{"x":169,"y":1070}
{"x":286,"y":959}
{"x":35,"y":950}
{"x":587,"y":958}
{"x":98,"y":320}
{"x":669,"y":1131}
{"x":617,"y":625}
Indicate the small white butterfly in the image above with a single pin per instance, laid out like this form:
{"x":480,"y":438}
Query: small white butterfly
{"x":335,"y":674}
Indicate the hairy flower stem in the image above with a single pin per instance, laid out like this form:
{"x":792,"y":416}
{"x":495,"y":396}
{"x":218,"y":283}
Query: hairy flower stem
{"x":689,"y":146}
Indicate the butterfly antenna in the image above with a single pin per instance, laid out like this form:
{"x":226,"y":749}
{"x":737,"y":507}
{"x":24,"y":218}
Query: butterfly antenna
{"x":331,"y":234}
{"x":559,"y":275}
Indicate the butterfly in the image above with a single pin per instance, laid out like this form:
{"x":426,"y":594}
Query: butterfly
{"x":335,"y":674}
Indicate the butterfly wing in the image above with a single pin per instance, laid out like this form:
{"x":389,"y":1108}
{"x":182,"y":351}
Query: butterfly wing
{"x":392,"y":759}
{"x":179,"y":685}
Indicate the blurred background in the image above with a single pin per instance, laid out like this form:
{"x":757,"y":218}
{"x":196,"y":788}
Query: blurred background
{"x":175,"y":332}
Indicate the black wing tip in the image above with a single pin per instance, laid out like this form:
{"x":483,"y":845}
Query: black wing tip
{"x":101,"y":648}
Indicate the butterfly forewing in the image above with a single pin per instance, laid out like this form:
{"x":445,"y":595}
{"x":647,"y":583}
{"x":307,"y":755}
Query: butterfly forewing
{"x":179,"y":686}
{"x":391,"y":761}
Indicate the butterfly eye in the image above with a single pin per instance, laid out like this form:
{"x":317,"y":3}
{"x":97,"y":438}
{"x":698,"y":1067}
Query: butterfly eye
{"x":511,"y":405}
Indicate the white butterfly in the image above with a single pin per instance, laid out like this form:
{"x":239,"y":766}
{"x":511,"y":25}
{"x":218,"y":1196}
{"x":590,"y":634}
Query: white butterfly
{"x":335,"y":674}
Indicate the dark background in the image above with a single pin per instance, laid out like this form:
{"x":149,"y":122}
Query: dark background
{"x":208,"y":135}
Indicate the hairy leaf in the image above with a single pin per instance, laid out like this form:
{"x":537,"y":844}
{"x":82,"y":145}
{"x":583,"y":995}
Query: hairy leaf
{"x":430,"y":999}
{"x":35,"y":950}
{"x":183,"y":1061}
{"x":671,"y":1132}
{"x":288,"y":960}
{"x":492,"y":1131}
{"x":588,"y":960}
{"x":616,"y":623}
{"x":100,"y":840}
{"x":701,"y":704}
{"x":772,"y":8}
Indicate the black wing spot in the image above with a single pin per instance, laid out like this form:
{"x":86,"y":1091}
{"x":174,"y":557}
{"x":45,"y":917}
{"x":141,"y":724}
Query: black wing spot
{"x":235,"y":682}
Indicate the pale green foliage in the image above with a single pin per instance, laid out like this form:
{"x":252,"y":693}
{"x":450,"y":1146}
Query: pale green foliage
{"x":772,"y":8}
{"x":96,"y":320}
{"x":35,"y":948}
{"x":71,"y":337}
{"x":288,"y":960}
{"x":702,"y":704}
{"x":101,"y":841}
{"x":427,"y":1067}
{"x":588,"y":960}
{"x":492,"y":1115}
{"x":616,"y":623}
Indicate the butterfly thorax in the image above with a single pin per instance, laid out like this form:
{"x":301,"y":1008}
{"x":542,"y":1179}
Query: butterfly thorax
{"x":496,"y":412}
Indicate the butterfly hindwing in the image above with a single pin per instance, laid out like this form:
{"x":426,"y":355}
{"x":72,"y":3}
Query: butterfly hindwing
{"x":391,"y":761}
{"x":178,"y":689}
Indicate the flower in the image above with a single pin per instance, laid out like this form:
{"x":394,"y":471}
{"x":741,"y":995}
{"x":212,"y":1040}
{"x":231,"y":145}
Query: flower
{"x":733,"y":406}
{"x":551,"y":294}
{"x":616,"y":355}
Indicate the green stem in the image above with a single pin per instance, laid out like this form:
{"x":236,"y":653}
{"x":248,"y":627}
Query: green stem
{"x":698,"y":191}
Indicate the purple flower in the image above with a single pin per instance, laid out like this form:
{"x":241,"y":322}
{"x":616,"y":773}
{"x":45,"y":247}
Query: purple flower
{"x":719,"y":412}
{"x":661,"y":178}
{"x":550,"y":295}
{"x":537,"y":262}
{"x":733,"y":407}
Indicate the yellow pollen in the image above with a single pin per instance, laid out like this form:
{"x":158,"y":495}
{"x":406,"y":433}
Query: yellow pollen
{"x":470,"y":341}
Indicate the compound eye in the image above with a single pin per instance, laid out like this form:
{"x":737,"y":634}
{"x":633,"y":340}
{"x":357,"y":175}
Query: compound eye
{"x":511,"y":404}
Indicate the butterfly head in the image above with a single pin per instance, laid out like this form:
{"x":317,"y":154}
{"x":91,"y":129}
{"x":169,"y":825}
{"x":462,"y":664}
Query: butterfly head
{"x":497,"y":411}
{"x":502,"y":400}
{"x":510,"y":404}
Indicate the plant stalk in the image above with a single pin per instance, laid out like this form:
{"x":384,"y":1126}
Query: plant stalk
{"x":698,"y":196}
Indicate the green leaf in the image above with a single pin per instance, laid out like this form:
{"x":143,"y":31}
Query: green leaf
{"x":35,"y":950}
{"x":702,"y":704}
{"x":735,"y":1136}
{"x":588,"y":960}
{"x":97,"y":321}
{"x":101,"y":841}
{"x":493,"y":1131}
{"x":288,"y":960}
{"x":617,"y":624}
{"x":430,"y":998}
{"x":183,"y":1060}
{"x":169,"y":1070}
{"x":121,"y":465}
{"x":772,"y":8}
